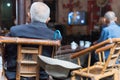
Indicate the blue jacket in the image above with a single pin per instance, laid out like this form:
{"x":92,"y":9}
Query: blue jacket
{"x":111,"y":31}
{"x":36,"y":30}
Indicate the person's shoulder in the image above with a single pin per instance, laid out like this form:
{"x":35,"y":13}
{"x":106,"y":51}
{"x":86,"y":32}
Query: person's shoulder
{"x":112,"y":27}
{"x":18,"y":27}
{"x":105,"y":28}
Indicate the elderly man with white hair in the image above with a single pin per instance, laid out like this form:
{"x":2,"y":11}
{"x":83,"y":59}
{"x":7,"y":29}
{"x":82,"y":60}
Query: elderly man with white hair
{"x":40,"y":15}
{"x":112,"y":30}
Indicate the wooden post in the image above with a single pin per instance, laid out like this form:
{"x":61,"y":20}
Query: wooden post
{"x":0,"y":14}
{"x":20,"y":12}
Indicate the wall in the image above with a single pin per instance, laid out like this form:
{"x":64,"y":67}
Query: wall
{"x":116,"y":8}
{"x":93,"y":9}
{"x":65,"y":6}
{"x":6,"y":14}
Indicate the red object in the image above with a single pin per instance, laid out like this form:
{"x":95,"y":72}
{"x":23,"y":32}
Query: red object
{"x":95,"y":12}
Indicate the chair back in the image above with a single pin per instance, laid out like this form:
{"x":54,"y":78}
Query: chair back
{"x":27,"y":52}
{"x":111,"y":45}
{"x":114,"y":52}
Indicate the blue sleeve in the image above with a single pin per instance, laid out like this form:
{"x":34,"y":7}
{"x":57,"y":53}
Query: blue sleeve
{"x":104,"y":35}
{"x":57,"y":35}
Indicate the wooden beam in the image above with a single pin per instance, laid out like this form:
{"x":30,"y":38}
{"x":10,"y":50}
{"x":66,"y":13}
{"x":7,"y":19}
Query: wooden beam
{"x":20,"y":11}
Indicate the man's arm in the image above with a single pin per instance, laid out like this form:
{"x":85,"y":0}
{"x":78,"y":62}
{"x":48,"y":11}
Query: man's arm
{"x":104,"y":35}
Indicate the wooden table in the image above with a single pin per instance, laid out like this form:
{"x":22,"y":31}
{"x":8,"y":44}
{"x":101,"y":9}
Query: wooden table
{"x":66,"y":49}
{"x":64,"y":53}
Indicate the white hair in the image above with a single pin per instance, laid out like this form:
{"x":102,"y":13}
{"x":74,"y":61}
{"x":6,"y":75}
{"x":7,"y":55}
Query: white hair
{"x":110,"y":15}
{"x":39,"y":11}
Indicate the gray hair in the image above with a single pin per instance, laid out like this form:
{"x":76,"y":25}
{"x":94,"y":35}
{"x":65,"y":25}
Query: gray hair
{"x":110,"y":15}
{"x":39,"y":11}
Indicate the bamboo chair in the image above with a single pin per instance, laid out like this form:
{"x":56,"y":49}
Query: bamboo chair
{"x":101,"y":54}
{"x":27,"y":61}
{"x":103,"y":68}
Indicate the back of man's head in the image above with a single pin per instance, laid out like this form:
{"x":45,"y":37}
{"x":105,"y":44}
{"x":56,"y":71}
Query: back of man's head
{"x":39,"y":11}
{"x":110,"y":15}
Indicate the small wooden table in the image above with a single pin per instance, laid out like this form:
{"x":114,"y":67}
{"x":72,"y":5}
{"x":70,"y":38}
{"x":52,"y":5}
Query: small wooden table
{"x":64,"y":53}
{"x":67,"y":49}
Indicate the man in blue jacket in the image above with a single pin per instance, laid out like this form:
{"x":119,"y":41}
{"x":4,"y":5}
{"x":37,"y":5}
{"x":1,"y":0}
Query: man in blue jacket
{"x":39,"y":13}
{"x":112,"y":30}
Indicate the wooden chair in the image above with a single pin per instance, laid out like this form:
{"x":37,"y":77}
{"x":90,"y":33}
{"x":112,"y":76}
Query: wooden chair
{"x":27,"y":61}
{"x":104,"y":68}
{"x":114,"y":57}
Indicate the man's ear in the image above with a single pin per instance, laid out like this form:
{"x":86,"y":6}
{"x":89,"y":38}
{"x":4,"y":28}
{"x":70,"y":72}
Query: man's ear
{"x":107,"y":21}
{"x":28,"y":17}
{"x":28,"y":14}
{"x":48,"y":19}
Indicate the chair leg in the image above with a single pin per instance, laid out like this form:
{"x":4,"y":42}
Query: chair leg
{"x":2,"y":76}
{"x":119,"y":73}
{"x":73,"y":76}
{"x":81,"y":78}
{"x":94,"y":78}
{"x":87,"y":78}
{"x":116,"y":75}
